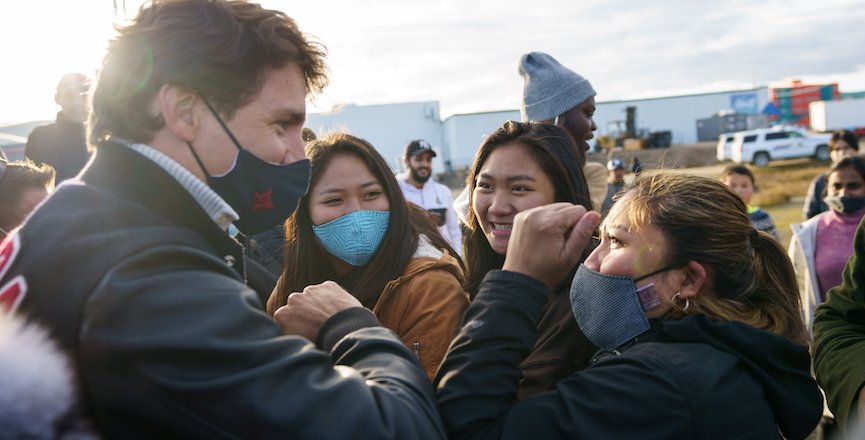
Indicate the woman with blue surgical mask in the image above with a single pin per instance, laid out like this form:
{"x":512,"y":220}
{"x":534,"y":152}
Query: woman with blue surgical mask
{"x":696,"y":315}
{"x":355,"y":227}
{"x":821,"y":246}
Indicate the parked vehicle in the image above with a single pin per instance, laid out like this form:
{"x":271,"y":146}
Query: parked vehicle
{"x":725,"y":147}
{"x":761,"y":146}
{"x":829,"y":116}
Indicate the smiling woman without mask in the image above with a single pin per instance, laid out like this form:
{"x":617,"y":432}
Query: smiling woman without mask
{"x":355,"y":227}
{"x":518,"y":167}
{"x":697,"y":314}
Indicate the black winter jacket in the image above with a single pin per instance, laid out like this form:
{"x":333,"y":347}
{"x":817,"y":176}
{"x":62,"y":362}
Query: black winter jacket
{"x":814,"y":203}
{"x":147,"y":295}
{"x":60,"y":145}
{"x":691,"y":378}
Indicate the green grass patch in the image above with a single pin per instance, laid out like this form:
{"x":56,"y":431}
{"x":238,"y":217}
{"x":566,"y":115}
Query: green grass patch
{"x":782,"y":192}
{"x":779,"y":184}
{"x":785,"y":215}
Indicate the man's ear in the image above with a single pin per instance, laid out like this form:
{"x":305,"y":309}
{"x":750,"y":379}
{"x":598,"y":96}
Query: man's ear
{"x":694,"y":280}
{"x":178,"y":108}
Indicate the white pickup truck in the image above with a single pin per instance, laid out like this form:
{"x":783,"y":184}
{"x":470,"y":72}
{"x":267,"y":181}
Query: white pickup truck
{"x":763,"y":145}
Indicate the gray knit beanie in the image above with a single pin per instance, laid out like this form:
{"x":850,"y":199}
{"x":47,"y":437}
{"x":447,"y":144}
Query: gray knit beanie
{"x":549,"y":88}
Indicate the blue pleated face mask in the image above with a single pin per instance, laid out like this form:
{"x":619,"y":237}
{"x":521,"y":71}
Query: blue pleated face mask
{"x":354,"y":237}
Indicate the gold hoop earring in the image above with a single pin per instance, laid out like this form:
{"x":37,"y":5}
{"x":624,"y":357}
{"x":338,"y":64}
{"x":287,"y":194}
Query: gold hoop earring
{"x":677,"y":301}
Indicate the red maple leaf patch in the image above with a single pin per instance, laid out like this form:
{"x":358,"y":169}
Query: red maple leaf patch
{"x":13,"y":291}
{"x":262,"y":201}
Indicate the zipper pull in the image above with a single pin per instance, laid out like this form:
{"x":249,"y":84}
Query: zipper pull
{"x":417,"y":349}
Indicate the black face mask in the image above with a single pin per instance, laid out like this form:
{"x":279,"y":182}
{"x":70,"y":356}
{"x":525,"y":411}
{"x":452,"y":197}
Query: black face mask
{"x":845,"y":205}
{"x":264,"y":194}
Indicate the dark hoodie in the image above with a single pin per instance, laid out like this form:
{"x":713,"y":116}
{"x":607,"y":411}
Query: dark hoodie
{"x":690,"y":378}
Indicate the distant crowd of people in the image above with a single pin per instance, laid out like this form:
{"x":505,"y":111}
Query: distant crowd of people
{"x":216,"y":270}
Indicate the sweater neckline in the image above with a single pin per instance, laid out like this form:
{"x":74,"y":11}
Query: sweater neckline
{"x":852,"y":218}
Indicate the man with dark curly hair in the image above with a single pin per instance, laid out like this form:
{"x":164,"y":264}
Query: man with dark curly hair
{"x":197,"y":119}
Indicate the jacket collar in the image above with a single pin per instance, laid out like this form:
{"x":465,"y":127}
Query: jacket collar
{"x":121,"y":170}
{"x":421,"y":262}
{"x":214,"y":205}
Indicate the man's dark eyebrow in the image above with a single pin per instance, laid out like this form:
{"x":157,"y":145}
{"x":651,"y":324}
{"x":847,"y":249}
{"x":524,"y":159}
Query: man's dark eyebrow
{"x":290,"y":115}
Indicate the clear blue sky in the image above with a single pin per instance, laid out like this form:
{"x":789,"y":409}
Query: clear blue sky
{"x":464,"y":54}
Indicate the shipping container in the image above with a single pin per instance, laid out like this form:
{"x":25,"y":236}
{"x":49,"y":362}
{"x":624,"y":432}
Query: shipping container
{"x":834,"y":115}
{"x":794,"y":98}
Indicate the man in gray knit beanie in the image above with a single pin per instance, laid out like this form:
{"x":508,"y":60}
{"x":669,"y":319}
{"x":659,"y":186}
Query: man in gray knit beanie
{"x":550,"y":89}
{"x":553,"y":93}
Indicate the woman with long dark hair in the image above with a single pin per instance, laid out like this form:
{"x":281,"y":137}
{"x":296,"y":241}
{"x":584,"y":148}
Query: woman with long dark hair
{"x":355,"y":227}
{"x":518,"y":167}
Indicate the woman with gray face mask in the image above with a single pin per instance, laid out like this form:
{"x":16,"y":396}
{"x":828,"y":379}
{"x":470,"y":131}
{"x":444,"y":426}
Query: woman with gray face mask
{"x":821,"y":246}
{"x":695,"y":313}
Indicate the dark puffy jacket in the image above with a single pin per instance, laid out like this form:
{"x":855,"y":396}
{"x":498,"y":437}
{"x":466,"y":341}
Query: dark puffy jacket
{"x":814,"y":203}
{"x":147,"y":295}
{"x":689,"y":378}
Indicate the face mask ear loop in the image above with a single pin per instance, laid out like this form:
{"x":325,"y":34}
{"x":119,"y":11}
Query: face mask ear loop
{"x":662,"y":269}
{"x":201,"y":164}
{"x":222,"y":123}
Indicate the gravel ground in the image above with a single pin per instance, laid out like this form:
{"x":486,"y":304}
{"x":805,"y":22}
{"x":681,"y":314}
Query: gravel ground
{"x":677,"y":156}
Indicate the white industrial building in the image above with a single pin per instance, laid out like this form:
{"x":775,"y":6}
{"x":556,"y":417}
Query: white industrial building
{"x":389,"y":127}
